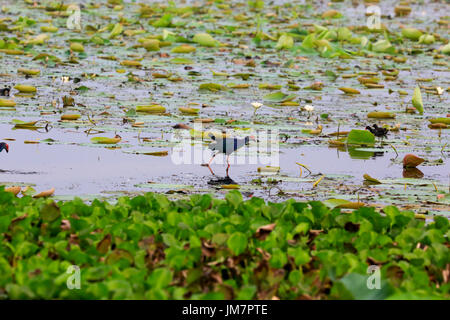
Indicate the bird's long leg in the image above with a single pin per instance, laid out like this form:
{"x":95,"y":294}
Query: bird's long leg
{"x":209,"y":163}
{"x":212,"y":158}
{"x":228,"y":163}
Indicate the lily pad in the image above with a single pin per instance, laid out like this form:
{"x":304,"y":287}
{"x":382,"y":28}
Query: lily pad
{"x":279,"y":97}
{"x":417,"y":100}
{"x":360,"y":137}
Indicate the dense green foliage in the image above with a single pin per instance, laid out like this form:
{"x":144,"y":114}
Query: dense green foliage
{"x":149,"y":247}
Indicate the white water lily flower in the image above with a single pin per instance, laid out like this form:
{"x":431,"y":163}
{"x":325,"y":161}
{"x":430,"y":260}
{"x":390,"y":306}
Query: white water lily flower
{"x":308,"y":108}
{"x":439,"y":90}
{"x":256,"y":105}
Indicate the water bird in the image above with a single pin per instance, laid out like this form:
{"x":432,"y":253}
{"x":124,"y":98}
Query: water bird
{"x":226,"y":145}
{"x":4,"y":146}
{"x":5,"y":91}
{"x":377,"y":131}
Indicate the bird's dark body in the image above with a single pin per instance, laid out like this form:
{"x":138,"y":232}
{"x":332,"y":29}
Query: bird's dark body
{"x":4,"y":146}
{"x":5,"y":91}
{"x":226,"y":146}
{"x":377,"y":131}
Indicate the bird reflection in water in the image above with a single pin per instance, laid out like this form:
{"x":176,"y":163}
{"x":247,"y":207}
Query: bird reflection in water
{"x":412,"y":173}
{"x":219,"y":181}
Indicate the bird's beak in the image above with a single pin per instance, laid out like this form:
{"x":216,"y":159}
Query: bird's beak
{"x":7,"y":148}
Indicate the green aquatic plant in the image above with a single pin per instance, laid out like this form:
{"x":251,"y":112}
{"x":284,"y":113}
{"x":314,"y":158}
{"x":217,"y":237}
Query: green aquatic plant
{"x":150,"y":247}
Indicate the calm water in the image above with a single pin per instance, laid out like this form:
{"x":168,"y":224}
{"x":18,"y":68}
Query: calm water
{"x":79,"y":169}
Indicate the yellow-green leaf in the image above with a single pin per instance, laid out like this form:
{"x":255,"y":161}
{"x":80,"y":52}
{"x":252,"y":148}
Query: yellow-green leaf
{"x":25,"y":88}
{"x":155,"y":108}
{"x":285,"y":42}
{"x":105,"y":140}
{"x":205,"y":39}
{"x":118,"y":28}
{"x":7,"y":103}
{"x":381,"y":115}
{"x":417,"y":100}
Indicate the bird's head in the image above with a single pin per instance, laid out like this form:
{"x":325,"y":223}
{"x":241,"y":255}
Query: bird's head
{"x":249,"y":138}
{"x":4,"y":146}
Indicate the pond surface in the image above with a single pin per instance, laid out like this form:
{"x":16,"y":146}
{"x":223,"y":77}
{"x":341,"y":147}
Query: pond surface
{"x":106,"y":92}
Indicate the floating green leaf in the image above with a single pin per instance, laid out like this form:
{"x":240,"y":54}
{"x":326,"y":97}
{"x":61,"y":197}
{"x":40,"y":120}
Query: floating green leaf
{"x":184,"y":48}
{"x":360,"y":137}
{"x":105,"y":140}
{"x":417,"y":100}
{"x":279,"y":97}
{"x":163,"y":22}
{"x":154,"y":108}
{"x":205,"y":40}
{"x":181,"y":61}
{"x":411,"y":33}
{"x":285,"y":42}
{"x":117,"y":30}
{"x":212,"y":87}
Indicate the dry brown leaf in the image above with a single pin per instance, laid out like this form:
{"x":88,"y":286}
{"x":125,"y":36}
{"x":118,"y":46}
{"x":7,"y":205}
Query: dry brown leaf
{"x":263,"y":231}
{"x":412,"y":161}
{"x":46,"y":193}
{"x":13,"y":190}
{"x":104,"y":244}
{"x":182,"y":126}
{"x":65,"y":225}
